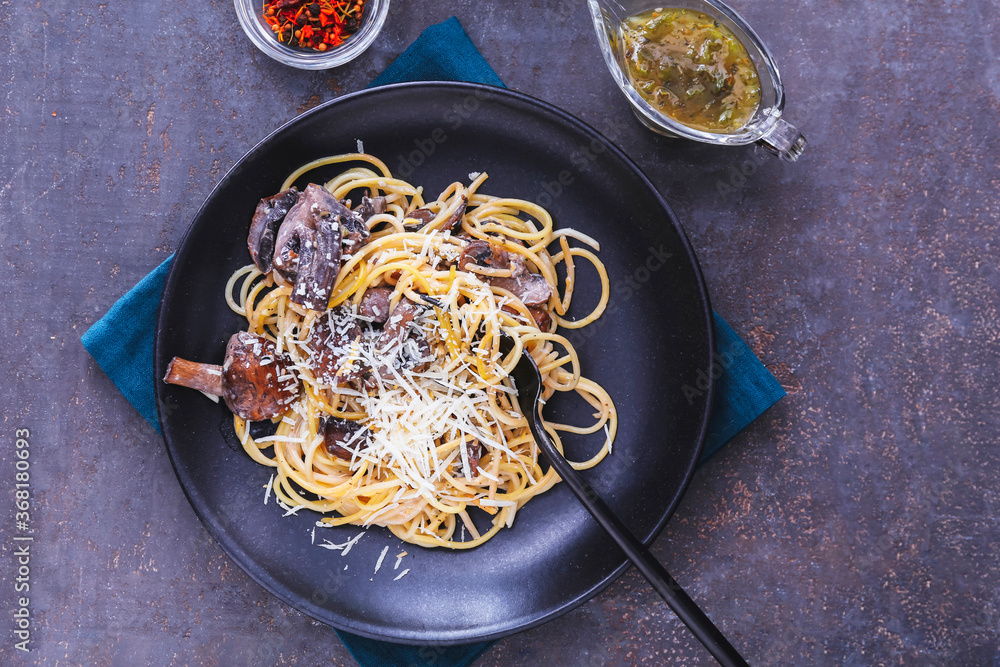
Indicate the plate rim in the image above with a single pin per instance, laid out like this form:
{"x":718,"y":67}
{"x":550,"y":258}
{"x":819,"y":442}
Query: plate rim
{"x":264,"y":579}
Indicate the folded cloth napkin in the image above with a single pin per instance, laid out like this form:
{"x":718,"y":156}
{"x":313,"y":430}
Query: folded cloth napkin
{"x":122,"y":340}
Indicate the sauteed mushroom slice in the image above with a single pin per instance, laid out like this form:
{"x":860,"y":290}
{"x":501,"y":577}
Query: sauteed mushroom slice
{"x":370,"y":206}
{"x":483,"y":253}
{"x":334,"y":344}
{"x":423,"y":216}
{"x":531,"y":288}
{"x":255,"y":382}
{"x":375,"y":304}
{"x":400,"y":345}
{"x":338,"y":433}
{"x":474,"y":450}
{"x":319,"y":262}
{"x":266,"y":220}
{"x":455,"y":219}
{"x":542,"y":319}
{"x":397,"y":327}
{"x":314,"y":206}
{"x":308,"y":247}
{"x":356,"y":232}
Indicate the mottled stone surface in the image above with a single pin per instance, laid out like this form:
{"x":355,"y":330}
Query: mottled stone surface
{"x":854,"y":524}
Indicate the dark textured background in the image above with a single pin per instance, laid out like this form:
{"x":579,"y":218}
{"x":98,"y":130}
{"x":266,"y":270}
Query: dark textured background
{"x":856,"y":523}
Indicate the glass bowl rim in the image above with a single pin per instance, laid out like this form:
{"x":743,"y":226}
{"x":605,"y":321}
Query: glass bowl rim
{"x":371,"y":25}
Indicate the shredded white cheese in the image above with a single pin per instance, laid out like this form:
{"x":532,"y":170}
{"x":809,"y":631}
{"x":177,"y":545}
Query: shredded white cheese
{"x":267,"y":487}
{"x":279,"y":438}
{"x":381,"y":557}
{"x":342,"y":548}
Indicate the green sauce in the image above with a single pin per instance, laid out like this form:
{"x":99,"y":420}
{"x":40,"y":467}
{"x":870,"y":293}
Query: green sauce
{"x":691,"y":68}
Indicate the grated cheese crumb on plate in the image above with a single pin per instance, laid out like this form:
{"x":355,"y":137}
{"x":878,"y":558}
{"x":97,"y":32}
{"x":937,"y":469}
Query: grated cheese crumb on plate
{"x":267,"y":493}
{"x":342,"y":548}
{"x":381,"y":557}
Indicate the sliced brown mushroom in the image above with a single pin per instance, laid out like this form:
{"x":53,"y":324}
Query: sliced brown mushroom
{"x":356,"y":232}
{"x":308,"y":247}
{"x":266,"y":219}
{"x":542,"y":318}
{"x":483,"y":253}
{"x":474,"y":450}
{"x":401,"y":346}
{"x":397,"y":327}
{"x":338,"y":433}
{"x":334,"y":343}
{"x":375,"y":304}
{"x":255,"y":382}
{"x":455,"y":220}
{"x":423,"y":216}
{"x":531,"y":288}
{"x":371,"y":206}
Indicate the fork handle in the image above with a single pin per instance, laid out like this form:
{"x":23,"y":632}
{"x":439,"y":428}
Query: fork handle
{"x":668,"y":588}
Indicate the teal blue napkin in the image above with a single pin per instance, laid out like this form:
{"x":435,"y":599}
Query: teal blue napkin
{"x":122,"y":340}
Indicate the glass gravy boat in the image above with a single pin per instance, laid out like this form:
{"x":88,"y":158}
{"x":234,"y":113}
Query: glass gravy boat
{"x":766,"y":127}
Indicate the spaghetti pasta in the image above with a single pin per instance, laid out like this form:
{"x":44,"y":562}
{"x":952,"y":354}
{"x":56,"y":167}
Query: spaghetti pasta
{"x":425,"y":428}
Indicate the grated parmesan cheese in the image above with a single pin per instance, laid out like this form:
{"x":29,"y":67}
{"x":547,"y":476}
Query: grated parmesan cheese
{"x":381,"y":557}
{"x":267,"y":492}
{"x":342,"y":548}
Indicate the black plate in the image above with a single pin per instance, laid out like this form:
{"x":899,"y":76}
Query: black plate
{"x":653,"y":340}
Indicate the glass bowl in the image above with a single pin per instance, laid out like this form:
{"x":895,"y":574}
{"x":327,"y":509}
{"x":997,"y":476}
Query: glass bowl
{"x":251,"y":16}
{"x":766,"y":127}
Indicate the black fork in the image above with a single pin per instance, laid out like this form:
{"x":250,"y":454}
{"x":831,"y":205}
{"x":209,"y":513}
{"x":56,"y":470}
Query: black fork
{"x":528,"y":382}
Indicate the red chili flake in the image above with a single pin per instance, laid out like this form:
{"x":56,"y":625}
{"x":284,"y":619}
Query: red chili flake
{"x":316,"y":25}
